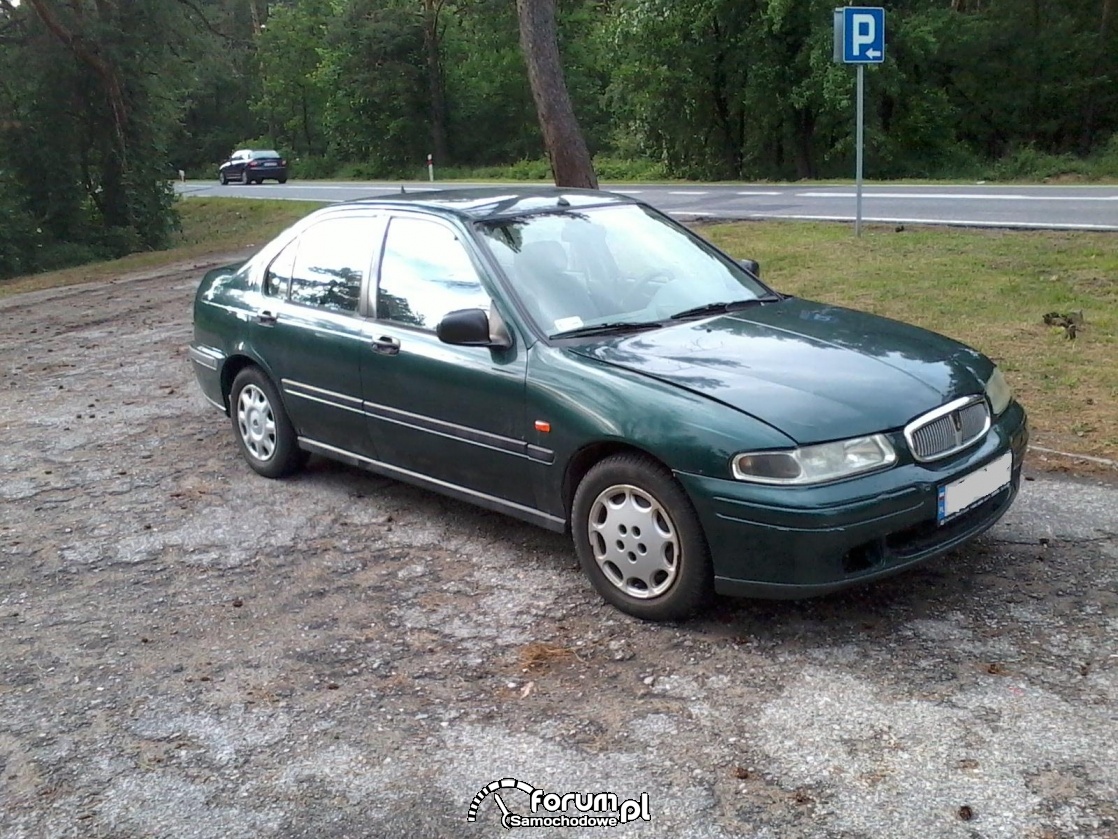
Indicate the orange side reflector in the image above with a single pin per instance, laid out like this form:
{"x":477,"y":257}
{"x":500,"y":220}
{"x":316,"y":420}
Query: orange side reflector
{"x":543,"y":427}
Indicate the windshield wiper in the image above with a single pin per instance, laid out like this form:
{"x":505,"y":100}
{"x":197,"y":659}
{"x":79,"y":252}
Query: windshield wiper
{"x":606,"y":328}
{"x":723,"y":307}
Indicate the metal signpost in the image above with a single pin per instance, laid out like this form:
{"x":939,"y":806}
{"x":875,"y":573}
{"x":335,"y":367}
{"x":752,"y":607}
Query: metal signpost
{"x":860,"y":40}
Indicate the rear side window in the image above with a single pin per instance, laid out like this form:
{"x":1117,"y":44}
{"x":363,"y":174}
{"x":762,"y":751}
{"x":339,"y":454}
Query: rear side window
{"x":278,"y":276}
{"x":333,"y":261}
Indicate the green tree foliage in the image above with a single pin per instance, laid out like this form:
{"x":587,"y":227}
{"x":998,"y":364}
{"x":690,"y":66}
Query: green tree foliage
{"x":490,"y":112}
{"x":84,"y":154}
{"x":373,"y":67}
{"x":747,"y":88}
{"x":293,"y":98}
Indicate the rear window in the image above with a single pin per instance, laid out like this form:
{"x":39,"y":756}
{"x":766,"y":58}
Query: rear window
{"x":267,"y":153}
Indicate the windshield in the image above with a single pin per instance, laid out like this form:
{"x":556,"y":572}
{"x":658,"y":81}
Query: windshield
{"x":610,"y":266}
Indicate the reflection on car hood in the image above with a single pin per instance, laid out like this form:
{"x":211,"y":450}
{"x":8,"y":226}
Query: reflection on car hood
{"x":813,"y":371}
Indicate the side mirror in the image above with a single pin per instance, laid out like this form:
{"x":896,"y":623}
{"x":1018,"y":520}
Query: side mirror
{"x":751,"y":265}
{"x":467,"y":328}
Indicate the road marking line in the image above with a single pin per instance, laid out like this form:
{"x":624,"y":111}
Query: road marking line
{"x":686,"y":192}
{"x":1022,"y":225}
{"x":760,"y":192}
{"x":955,"y":196}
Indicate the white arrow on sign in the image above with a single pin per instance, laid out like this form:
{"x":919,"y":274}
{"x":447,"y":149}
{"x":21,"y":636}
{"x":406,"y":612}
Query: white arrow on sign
{"x":873,"y":53}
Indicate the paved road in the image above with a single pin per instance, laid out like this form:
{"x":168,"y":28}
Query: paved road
{"x":1040,"y":207}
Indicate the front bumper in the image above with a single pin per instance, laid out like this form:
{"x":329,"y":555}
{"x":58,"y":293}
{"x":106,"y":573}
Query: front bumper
{"x":791,"y":542}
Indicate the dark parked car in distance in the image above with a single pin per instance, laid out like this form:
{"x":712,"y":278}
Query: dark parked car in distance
{"x":253,"y":166}
{"x":578,"y":360}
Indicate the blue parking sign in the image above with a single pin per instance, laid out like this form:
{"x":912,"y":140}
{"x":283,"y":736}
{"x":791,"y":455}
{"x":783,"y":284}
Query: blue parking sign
{"x":863,"y":35}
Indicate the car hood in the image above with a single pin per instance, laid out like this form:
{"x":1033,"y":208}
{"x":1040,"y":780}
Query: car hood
{"x":813,"y":371}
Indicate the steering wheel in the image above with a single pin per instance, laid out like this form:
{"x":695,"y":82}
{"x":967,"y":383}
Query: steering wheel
{"x":644,"y":287}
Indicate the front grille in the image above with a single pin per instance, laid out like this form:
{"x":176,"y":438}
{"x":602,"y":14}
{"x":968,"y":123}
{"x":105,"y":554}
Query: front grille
{"x":948,"y":429}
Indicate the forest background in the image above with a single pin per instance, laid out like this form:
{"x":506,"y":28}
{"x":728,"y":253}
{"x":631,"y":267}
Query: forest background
{"x":102,"y":102}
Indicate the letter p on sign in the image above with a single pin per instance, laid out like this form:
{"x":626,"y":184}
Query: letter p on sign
{"x":863,"y":35}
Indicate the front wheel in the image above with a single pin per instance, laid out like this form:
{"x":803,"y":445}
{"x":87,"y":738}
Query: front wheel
{"x":260,"y":424}
{"x":224,"y":180}
{"x":639,"y":540}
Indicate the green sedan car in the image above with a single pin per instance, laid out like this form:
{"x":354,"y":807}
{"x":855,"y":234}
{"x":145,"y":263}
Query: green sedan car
{"x":580,"y":361}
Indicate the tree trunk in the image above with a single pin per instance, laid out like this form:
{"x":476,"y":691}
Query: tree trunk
{"x":566,"y":147}
{"x":732,"y":141}
{"x":436,"y":89}
{"x":804,"y":127}
{"x":1088,"y":135}
{"x":89,"y":54}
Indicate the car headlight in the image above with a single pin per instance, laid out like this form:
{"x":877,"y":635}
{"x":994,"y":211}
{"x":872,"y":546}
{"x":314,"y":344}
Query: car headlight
{"x":815,"y":464}
{"x":998,"y":392}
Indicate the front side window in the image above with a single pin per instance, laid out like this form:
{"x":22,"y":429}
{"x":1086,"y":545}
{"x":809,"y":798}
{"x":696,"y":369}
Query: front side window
{"x":426,"y":272}
{"x":332,"y":262}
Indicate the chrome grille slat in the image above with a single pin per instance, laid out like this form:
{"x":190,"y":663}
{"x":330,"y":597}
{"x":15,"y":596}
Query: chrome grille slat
{"x":949,"y":428}
{"x":974,"y":418}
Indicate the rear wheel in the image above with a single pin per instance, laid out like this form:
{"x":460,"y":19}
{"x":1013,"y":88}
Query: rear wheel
{"x":639,"y":540}
{"x":260,"y":424}
{"x":245,"y":179}
{"x":282,"y":180}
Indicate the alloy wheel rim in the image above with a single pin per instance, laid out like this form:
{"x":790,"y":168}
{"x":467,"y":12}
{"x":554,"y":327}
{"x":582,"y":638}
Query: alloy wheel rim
{"x":634,"y":541}
{"x":256,"y":422}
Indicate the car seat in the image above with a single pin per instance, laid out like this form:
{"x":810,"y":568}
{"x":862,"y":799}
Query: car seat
{"x":548,"y":287}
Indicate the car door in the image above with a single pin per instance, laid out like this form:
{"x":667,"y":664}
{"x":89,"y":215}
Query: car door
{"x":235,"y":165}
{"x":452,"y":414}
{"x":311,"y":331}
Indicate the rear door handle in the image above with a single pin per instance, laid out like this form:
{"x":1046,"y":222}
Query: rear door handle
{"x":266,"y":319}
{"x":386,"y":345}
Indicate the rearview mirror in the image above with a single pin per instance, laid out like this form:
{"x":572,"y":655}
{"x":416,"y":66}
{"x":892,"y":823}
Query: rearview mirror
{"x":467,"y":328}
{"x":751,"y":265}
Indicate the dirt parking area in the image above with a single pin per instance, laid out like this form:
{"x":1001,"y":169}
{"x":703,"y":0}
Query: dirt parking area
{"x":190,"y":650}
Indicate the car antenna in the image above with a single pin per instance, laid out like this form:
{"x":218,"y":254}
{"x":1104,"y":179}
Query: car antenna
{"x":402,"y":190}
{"x":563,"y":202}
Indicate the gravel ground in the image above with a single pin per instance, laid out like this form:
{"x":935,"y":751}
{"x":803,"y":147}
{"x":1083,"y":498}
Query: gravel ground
{"x":189,"y":650}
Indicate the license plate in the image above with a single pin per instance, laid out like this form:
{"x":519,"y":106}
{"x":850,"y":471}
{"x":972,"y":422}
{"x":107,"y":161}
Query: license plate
{"x":270,"y":163}
{"x":959,"y":496}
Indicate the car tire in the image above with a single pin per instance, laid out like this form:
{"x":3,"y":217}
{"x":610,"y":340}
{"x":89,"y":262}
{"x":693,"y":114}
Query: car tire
{"x":261,"y":427}
{"x":282,"y":180}
{"x":224,"y":180}
{"x":639,"y":539}
{"x":245,"y":179}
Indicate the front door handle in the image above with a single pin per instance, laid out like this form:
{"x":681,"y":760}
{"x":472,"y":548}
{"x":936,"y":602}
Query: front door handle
{"x":266,"y":319}
{"x":386,"y":345}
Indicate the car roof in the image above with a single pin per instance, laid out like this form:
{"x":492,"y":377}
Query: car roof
{"x":497,"y":202}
